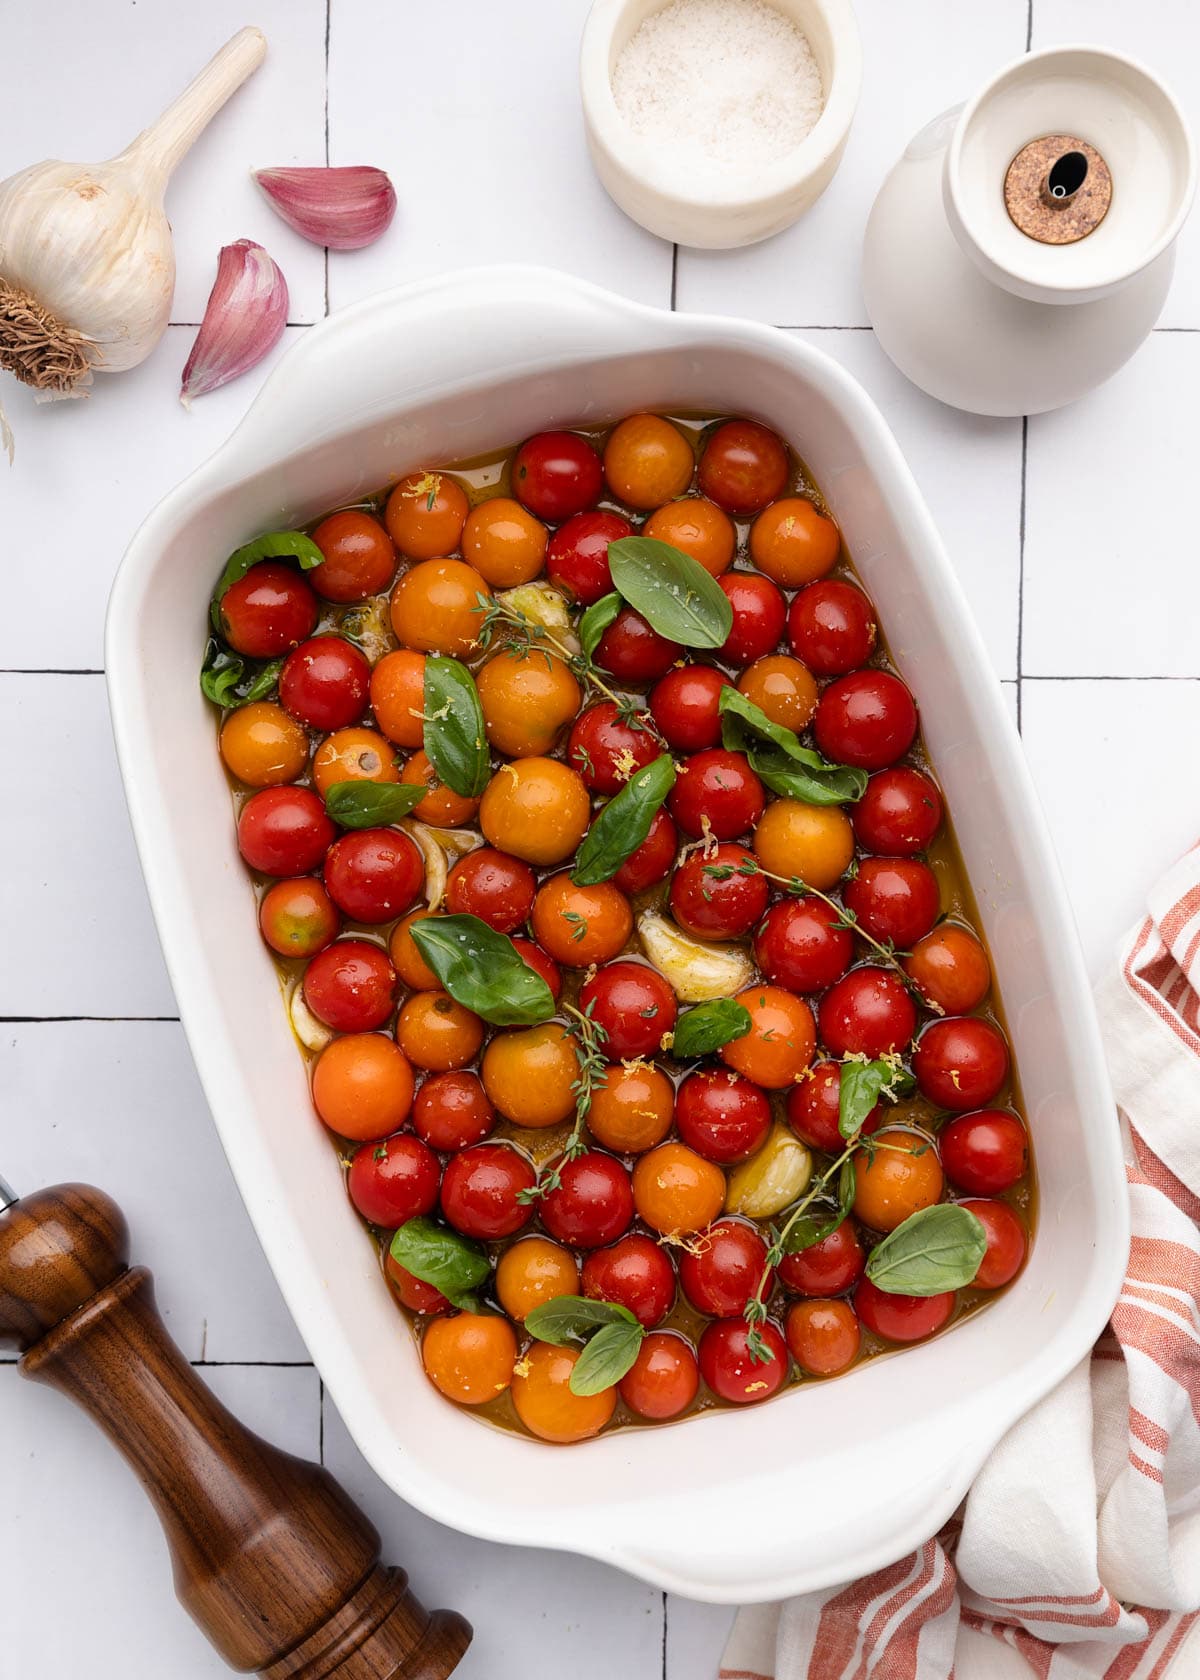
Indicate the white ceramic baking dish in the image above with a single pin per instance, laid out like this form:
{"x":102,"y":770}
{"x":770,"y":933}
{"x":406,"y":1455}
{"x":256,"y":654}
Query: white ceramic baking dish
{"x":829,"y":1479}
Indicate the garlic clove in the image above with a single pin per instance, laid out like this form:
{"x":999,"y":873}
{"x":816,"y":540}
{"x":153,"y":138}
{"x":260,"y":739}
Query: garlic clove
{"x":313,"y":1034}
{"x":697,"y":970}
{"x":547,"y":606}
{"x":243,"y":320}
{"x":772,"y":1178}
{"x":435,"y":845}
{"x":341,"y":208}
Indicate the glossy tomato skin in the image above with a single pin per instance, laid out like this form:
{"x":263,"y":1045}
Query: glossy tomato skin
{"x":298,"y":918}
{"x":1006,"y":1243}
{"x":633,"y":1005}
{"x":636,"y":1273}
{"x":393,"y":1181}
{"x":868,"y":1012}
{"x":829,"y":1267}
{"x":497,"y":888}
{"x":663,"y":1379}
{"x":540,"y":963}
{"x":721,"y":786}
{"x":899,"y":813}
{"x":950,"y":969}
{"x":268,"y":611}
{"x":360,"y":559}
{"x":718,"y":907}
{"x":720,"y":1275}
{"x":743,"y":466}
{"x":722,"y":1115}
{"x":651,"y":861}
{"x":831,"y":627}
{"x":324,"y":682}
{"x":373,"y":874}
{"x":480,"y":1191}
{"x":413,"y":1292}
{"x":451,"y":1111}
{"x":986,"y":1152}
{"x":731,"y":1373}
{"x":684,"y":706}
{"x":284,"y":831}
{"x":801,"y":945}
{"x":633,"y":652}
{"x":902,"y":1318}
{"x":557,"y":474}
{"x":759,"y":614}
{"x":961,"y":1063}
{"x":894,"y":899}
{"x":606,"y":750}
{"x":593,"y":1203}
{"x":814,"y":1105}
{"x":868,"y":719}
{"x":351,"y":986}
{"x":577,"y":557}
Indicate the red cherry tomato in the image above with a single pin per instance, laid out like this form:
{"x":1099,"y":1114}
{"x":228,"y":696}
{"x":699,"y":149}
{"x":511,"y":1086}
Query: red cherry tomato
{"x":901,"y":1318}
{"x":592,"y":1204}
{"x":606,"y":750}
{"x":284,"y":831}
{"x":413,"y":1292}
{"x":374,"y":874}
{"x":743,"y":466}
{"x":721,"y":786}
{"x":950,"y":969}
{"x":634,"y":1007}
{"x":985,"y":1153}
{"x":351,"y":986}
{"x":814,"y":1105}
{"x":360,"y":559}
{"x":497,"y":888}
{"x":540,"y":963}
{"x":650,"y":862}
{"x":577,"y":558}
{"x":867,"y":719}
{"x":823,"y":1336}
{"x":634,"y":653}
{"x":899,"y":814}
{"x":728,"y":1368}
{"x":718,"y":906}
{"x":831,"y":627}
{"x":663,"y":1379}
{"x":829,"y":1267}
{"x":724,"y":1270}
{"x":961,"y":1063}
{"x":1006,"y":1243}
{"x":393,"y":1181}
{"x":895,"y":899}
{"x":722,"y":1115}
{"x":268,"y":611}
{"x":481,"y":1188}
{"x":557,"y":474}
{"x":684,"y":704}
{"x":324,"y":682}
{"x":635,"y":1273}
{"x":451,"y":1111}
{"x":759,"y":612}
{"x":868,"y":1012}
{"x":802,"y":946}
{"x":298,"y":918}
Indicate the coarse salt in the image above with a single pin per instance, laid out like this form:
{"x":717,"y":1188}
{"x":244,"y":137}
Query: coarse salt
{"x":729,"y":84}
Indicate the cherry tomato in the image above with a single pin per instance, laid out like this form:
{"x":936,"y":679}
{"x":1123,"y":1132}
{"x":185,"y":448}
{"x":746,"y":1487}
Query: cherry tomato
{"x":1006,"y":1243}
{"x":950,"y":969}
{"x":759,"y":613}
{"x":894,"y":899}
{"x":542,"y":1395}
{"x":284,"y":831}
{"x":360,"y":560}
{"x":298,"y":918}
{"x":866,"y":719}
{"x":532,"y":1272}
{"x":353,"y":755}
{"x":481,"y":1187}
{"x":633,"y":1109}
{"x":469,"y":1357}
{"x":363,"y":1086}
{"x":985,"y":1153}
{"x":526,"y":702}
{"x":684,"y":705}
{"x":814,"y":1107}
{"x":425,"y":515}
{"x":781,"y":1040}
{"x":530,"y":1074}
{"x":793,"y":543}
{"x":730,"y":1371}
{"x":725,"y":1269}
{"x":782,"y":688}
{"x":592,"y":1204}
{"x":537,"y":809}
{"x":634,"y":1007}
{"x":451,"y":1111}
{"x":698,"y":528}
{"x":831,"y":627}
{"x":503,"y":542}
{"x":374,"y":874}
{"x":633,"y":652}
{"x":441,"y":807}
{"x":663,"y":1379}
{"x":262,"y":746}
{"x":493,"y":886}
{"x":325,"y":682}
{"x":581,"y":925}
{"x":635,"y":1273}
{"x":721,"y":905}
{"x":577,"y":558}
{"x":868,"y":1013}
{"x":647,"y":461}
{"x":814,"y":843}
{"x":351,"y":986}
{"x":650,"y":862}
{"x":556,"y":474}
{"x":802,"y":945}
{"x":435,"y":607}
{"x":899,"y":814}
{"x":896,"y":1181}
{"x":829,"y":1267}
{"x":607,"y":750}
{"x":720,"y":786}
{"x":539,"y":962}
{"x":743,"y":466}
{"x":823,"y":1336}
{"x":677,"y":1191}
{"x":961,"y":1063}
{"x":407,"y":960}
{"x":393,"y":1181}
{"x":721,"y":1115}
{"x":268,"y":611}
{"x":437,"y":1033}
{"x":901,"y":1318}
{"x":413,"y":1292}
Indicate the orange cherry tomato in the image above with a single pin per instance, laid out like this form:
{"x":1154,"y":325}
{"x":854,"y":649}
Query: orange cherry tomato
{"x":504,"y":542}
{"x":823,"y":1336}
{"x":783,"y":688}
{"x":527,"y":701}
{"x":782,"y":1037}
{"x":633,"y":1109}
{"x":792,"y":543}
{"x":902,"y":1176}
{"x":398,"y":696}
{"x":647,"y":461}
{"x":425,"y":515}
{"x":262,"y":746}
{"x":435,"y":607}
{"x":441,"y":806}
{"x":360,"y":560}
{"x":700,"y":528}
{"x":363,"y":1086}
{"x":408,"y":962}
{"x":353,"y":755}
{"x":469,"y":1357}
{"x":578,"y":926}
{"x":436,"y":1033}
{"x":812,"y":842}
{"x":543,"y":1398}
{"x":532,"y":1272}
{"x":529,"y":1073}
{"x":537,"y":809}
{"x":676,"y":1191}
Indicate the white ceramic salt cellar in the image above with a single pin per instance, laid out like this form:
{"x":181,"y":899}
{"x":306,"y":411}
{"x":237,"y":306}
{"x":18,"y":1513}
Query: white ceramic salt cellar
{"x":1023,"y":246}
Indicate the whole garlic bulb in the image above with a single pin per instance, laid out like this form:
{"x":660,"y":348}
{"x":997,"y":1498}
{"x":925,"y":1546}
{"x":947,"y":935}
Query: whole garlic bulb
{"x":87,"y":266}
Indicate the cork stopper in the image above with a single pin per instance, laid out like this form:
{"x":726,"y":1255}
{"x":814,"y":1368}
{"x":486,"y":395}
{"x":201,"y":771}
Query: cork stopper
{"x":1057,"y":189}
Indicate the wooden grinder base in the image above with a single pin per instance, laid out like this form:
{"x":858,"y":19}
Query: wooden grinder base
{"x":277,"y":1565}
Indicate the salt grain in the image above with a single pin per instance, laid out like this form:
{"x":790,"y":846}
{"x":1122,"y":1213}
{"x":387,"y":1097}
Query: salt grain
{"x":731,"y":84}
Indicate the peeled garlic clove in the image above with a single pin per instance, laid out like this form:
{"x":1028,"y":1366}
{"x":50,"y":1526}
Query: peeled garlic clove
{"x":771,"y":1180}
{"x":369,"y":624}
{"x":313,"y":1034}
{"x":343,"y":208}
{"x":244,"y":319}
{"x":543,"y":604}
{"x":435,"y":860}
{"x":697,"y":970}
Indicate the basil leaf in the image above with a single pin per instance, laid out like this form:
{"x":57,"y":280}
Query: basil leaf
{"x":455,"y":740}
{"x":596,"y":621}
{"x":779,"y":758}
{"x":673,"y":592}
{"x":860,"y":1086}
{"x":708,"y":1027}
{"x":440,"y":1257}
{"x":619,"y":827}
{"x":937,"y":1249}
{"x":812,"y":1228}
{"x":606,"y":1358}
{"x":483,"y":970}
{"x":573,"y":1318}
{"x":372,"y":804}
{"x":274,"y":545}
{"x":230,"y":681}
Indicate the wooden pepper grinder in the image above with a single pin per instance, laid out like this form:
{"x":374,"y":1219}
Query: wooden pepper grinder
{"x":276,"y":1564}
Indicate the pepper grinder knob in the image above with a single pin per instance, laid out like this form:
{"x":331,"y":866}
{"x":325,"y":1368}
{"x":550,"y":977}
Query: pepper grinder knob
{"x":275,"y":1563}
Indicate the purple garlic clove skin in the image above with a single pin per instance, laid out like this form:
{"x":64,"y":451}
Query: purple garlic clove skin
{"x":244,"y":319}
{"x":343,"y":209}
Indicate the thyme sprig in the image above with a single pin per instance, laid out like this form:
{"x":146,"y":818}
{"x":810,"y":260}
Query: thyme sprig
{"x":589,"y":1037}
{"x":525,"y":635}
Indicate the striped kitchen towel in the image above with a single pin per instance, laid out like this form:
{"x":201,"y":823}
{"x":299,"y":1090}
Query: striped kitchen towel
{"x":1076,"y":1555}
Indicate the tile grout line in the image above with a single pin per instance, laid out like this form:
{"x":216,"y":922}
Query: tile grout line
{"x":674,"y":274}
{"x":1029,"y":26}
{"x":665,"y":1612}
{"x":1021,"y":563}
{"x":320,"y":1420}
